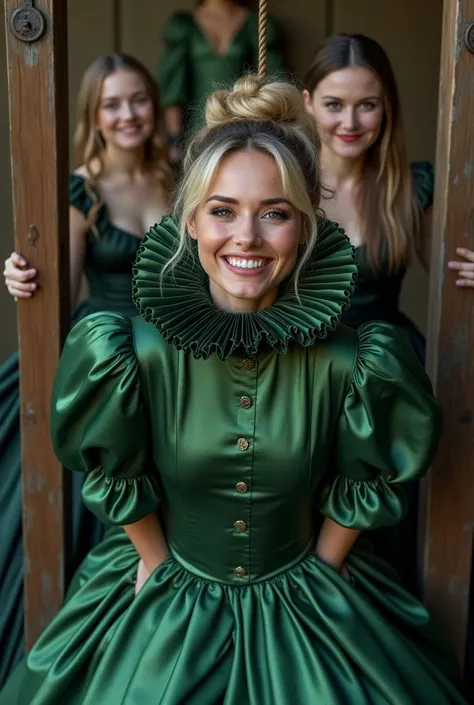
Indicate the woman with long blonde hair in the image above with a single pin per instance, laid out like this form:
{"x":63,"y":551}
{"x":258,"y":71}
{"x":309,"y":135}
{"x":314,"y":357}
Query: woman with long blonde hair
{"x":383,"y":203}
{"x":120,"y":187}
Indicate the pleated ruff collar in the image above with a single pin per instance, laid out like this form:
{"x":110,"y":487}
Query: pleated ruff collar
{"x":182,"y":310}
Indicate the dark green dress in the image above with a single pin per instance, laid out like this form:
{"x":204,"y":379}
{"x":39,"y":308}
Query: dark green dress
{"x":240,"y":430}
{"x":377,"y":293}
{"x":108,"y":269}
{"x":377,"y":298}
{"x":189,"y":68}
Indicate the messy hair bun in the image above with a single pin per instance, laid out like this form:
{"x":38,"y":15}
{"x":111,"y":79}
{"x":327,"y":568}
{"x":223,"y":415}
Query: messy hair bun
{"x":255,"y":116}
{"x":253,"y":99}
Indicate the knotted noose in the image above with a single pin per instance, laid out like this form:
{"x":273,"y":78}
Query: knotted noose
{"x":262,"y":39}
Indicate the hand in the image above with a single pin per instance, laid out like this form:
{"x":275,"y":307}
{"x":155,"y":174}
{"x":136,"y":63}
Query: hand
{"x":344,"y":572}
{"x":465,"y":269}
{"x":142,"y":576}
{"x":18,"y":277}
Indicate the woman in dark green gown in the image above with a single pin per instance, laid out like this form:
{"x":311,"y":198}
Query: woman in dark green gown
{"x":383,"y":203}
{"x":205,"y":49}
{"x":104,"y":244}
{"x":215,"y":428}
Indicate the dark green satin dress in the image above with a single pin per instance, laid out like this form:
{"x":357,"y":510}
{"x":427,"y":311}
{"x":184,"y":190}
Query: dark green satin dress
{"x":240,"y":430}
{"x":377,"y":298}
{"x":377,"y":293}
{"x":189,"y":68}
{"x":108,"y":269}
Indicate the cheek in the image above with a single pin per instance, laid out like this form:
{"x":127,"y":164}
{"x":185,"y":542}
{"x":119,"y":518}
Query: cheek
{"x":326,"y":122}
{"x":146,"y":114}
{"x":211,"y":235}
{"x":372,"y":122}
{"x":286,"y":244}
{"x":105,"y":120}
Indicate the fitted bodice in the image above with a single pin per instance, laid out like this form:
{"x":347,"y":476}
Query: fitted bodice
{"x":110,"y":254}
{"x":242,"y":449}
{"x":377,"y":293}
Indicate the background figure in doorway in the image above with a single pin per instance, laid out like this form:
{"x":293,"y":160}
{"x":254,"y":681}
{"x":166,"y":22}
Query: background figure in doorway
{"x":383,"y":203}
{"x":205,"y":49}
{"x":121,"y":186}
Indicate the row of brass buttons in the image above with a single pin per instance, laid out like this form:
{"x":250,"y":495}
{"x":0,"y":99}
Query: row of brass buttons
{"x":243,"y":444}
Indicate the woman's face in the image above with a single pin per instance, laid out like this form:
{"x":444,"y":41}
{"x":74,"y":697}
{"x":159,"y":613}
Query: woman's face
{"x":247,"y":232}
{"x":125,"y":115}
{"x":348,"y":108}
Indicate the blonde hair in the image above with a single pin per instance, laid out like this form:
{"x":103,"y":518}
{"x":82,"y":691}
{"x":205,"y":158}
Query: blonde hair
{"x":388,"y":206}
{"x":254,"y":115}
{"x":88,"y":143}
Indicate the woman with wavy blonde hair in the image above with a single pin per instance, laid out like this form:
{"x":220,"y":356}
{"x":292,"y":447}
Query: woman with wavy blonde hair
{"x":120,"y":188}
{"x":227,"y":432}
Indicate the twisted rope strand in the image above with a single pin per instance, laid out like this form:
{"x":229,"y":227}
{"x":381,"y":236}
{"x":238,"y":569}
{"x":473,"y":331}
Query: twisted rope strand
{"x":262,"y":39}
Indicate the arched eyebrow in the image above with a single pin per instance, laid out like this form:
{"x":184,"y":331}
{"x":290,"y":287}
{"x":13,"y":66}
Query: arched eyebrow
{"x":234,"y":201}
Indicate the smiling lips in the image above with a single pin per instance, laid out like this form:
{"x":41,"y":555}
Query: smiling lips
{"x":349,"y":138}
{"x":246,"y":265}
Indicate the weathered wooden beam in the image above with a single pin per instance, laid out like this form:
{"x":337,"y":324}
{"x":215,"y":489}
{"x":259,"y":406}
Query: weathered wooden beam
{"x":38,"y":104}
{"x":448,"y":519}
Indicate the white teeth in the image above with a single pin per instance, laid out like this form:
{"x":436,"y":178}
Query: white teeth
{"x":245,"y":263}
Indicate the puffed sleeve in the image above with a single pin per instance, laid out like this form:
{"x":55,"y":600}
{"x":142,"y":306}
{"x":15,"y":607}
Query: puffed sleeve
{"x":173,"y":67}
{"x":99,"y":423}
{"x":423,"y":178}
{"x":388,"y":432}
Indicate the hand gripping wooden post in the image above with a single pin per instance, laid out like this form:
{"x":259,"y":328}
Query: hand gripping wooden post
{"x":38,"y":105}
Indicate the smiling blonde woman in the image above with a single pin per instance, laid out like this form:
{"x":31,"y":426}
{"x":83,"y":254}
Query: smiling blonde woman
{"x":229,"y":429}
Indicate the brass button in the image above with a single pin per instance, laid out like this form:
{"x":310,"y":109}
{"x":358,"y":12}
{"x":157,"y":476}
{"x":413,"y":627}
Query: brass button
{"x":245,"y":402}
{"x":248,"y":363}
{"x":242,"y":487}
{"x":240,"y":572}
{"x":242,"y":444}
{"x":240,"y":525}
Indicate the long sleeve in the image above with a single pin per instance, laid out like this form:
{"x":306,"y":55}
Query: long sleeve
{"x":388,"y":432}
{"x":174,"y":62}
{"x":99,"y":424}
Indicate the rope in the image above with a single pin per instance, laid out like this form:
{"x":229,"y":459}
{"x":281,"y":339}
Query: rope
{"x":262,"y":39}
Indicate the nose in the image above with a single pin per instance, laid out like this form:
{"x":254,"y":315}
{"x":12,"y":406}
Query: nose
{"x":127,"y":112}
{"x":349,"y":122}
{"x":247,"y":233}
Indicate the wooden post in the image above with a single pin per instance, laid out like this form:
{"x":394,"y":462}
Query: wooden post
{"x":449,"y":490}
{"x":38,"y":103}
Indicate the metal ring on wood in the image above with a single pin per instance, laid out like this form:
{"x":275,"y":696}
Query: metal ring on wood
{"x":469,"y":37}
{"x":27,"y":23}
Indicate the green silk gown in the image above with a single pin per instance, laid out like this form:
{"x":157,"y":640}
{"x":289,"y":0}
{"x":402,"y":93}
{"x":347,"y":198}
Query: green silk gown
{"x":241,"y":430}
{"x":108,"y":269}
{"x":190,"y":69}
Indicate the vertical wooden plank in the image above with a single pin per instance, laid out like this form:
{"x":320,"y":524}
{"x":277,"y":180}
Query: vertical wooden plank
{"x":38,"y":106}
{"x":449,"y":490}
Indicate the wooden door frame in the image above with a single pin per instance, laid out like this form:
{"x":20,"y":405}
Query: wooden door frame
{"x":447,"y":517}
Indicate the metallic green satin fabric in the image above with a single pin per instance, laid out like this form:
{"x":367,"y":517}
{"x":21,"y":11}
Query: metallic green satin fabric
{"x":108,"y":266}
{"x":237,"y":456}
{"x":189,"y":68}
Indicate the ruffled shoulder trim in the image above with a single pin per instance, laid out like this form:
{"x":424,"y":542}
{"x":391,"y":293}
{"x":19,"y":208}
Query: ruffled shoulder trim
{"x":423,"y":176}
{"x":180,"y":306}
{"x":78,"y":196}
